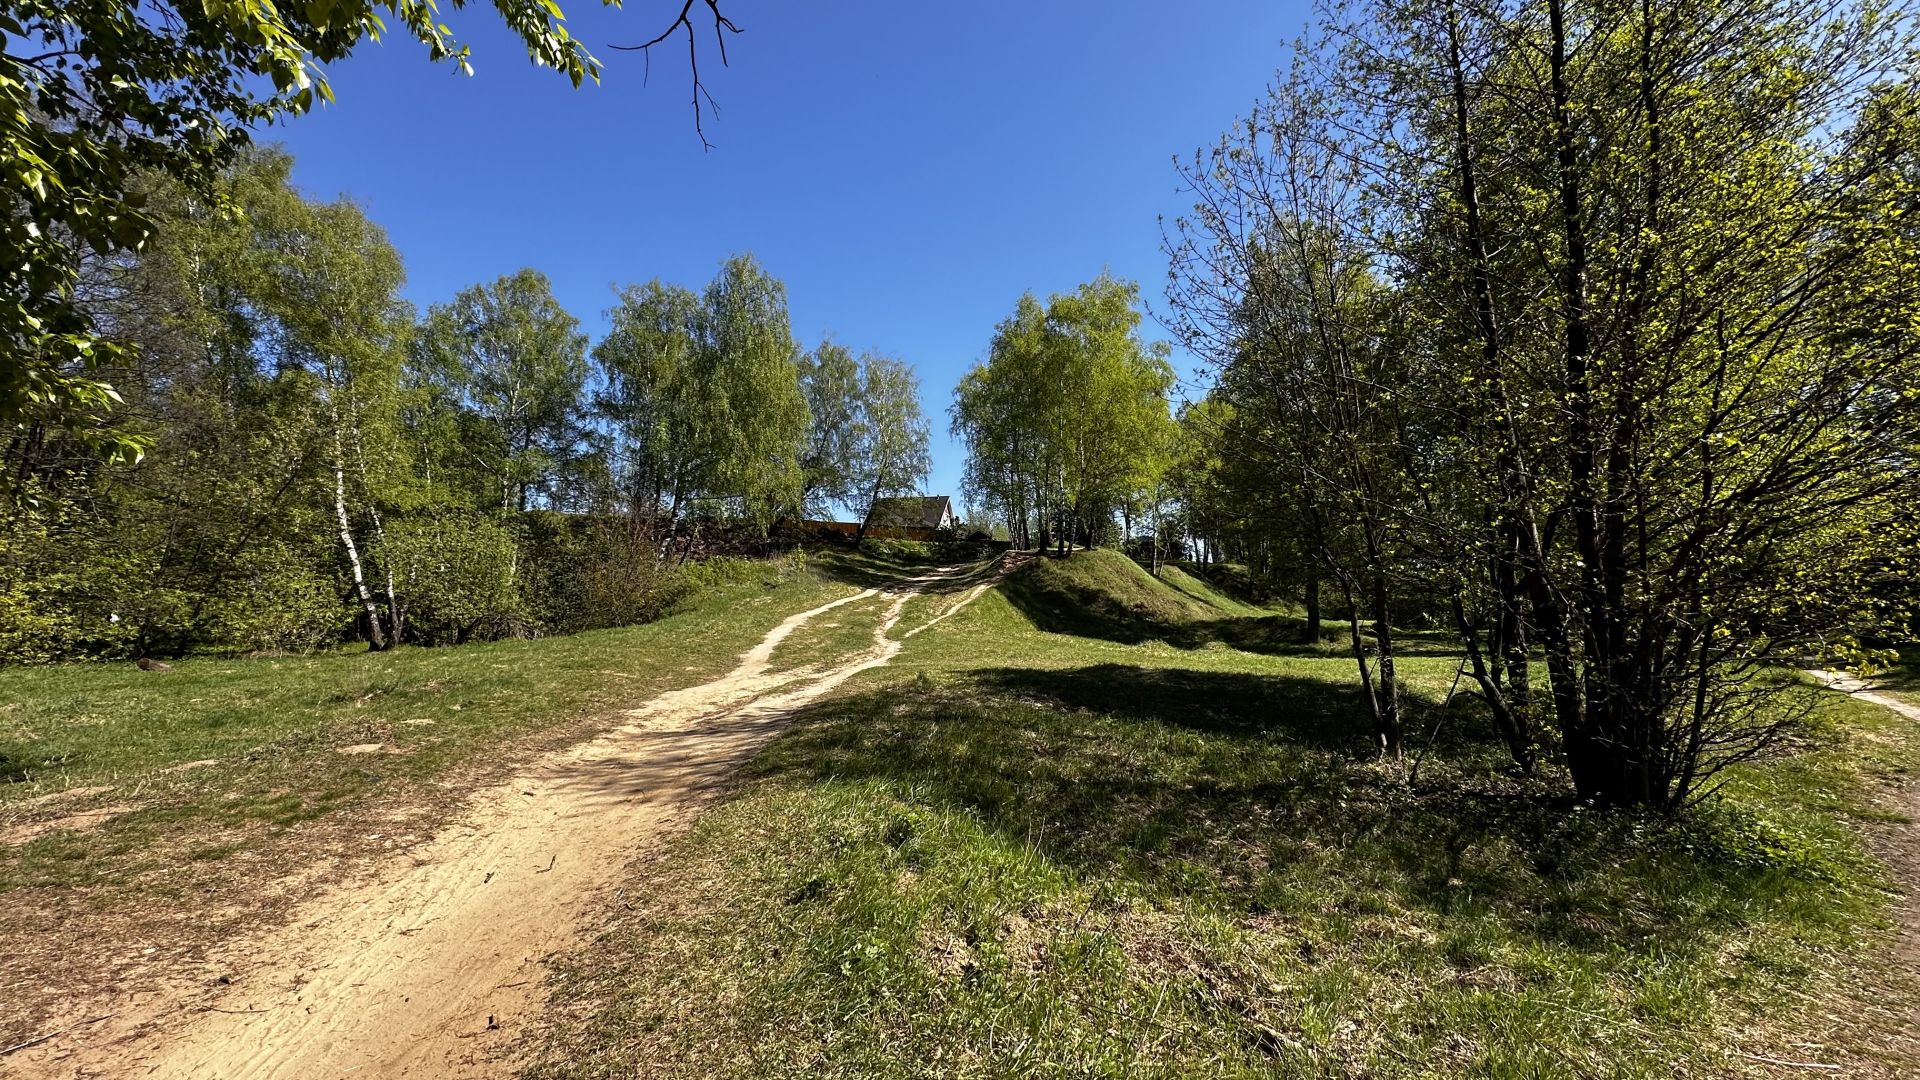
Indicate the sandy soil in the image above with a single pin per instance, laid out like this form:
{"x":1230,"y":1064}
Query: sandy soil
{"x":433,"y":966}
{"x":1901,"y":847}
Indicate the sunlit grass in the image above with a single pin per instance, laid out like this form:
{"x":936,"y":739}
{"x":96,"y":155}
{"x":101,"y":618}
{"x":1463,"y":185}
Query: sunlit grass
{"x":1020,"y":852}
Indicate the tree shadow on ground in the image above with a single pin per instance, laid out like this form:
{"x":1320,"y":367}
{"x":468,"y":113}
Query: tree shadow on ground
{"x":1261,"y":794}
{"x":887,"y":564}
{"x":1059,"y":607}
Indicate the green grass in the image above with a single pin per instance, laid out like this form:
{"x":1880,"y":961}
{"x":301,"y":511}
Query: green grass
{"x":1073,"y":832}
{"x":1104,"y":595}
{"x":223,"y":755}
{"x":1211,"y":594}
{"x":845,"y":629}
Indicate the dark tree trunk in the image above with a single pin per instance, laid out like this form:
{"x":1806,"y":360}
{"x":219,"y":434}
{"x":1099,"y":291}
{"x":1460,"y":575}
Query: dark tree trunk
{"x":1310,"y":599}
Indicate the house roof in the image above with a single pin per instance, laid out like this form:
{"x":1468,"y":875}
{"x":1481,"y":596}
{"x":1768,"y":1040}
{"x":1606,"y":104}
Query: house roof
{"x":913,"y":511}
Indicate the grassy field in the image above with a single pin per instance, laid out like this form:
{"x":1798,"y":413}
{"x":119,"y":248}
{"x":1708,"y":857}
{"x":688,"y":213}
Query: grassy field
{"x":143,"y":814}
{"x":220,"y":745}
{"x":1099,"y":825}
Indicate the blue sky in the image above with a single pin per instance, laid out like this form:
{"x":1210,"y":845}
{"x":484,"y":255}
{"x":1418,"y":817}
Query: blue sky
{"x":907,"y":169}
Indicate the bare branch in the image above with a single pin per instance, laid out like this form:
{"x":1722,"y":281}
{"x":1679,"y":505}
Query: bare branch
{"x":683,"y":23}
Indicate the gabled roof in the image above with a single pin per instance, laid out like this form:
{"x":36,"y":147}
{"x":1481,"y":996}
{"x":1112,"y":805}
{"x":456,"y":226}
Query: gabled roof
{"x":912,"y":511}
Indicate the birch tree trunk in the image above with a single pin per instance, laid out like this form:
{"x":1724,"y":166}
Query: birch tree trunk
{"x":376,"y":636}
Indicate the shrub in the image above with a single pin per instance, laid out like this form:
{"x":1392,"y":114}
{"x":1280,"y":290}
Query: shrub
{"x":623,"y":580}
{"x":59,"y":578}
{"x":455,"y":578}
{"x":279,"y":603}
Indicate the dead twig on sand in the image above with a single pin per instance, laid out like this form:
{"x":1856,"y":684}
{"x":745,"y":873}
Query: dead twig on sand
{"x":38,"y":1039}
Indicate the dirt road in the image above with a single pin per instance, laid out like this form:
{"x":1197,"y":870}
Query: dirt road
{"x":431,"y":969}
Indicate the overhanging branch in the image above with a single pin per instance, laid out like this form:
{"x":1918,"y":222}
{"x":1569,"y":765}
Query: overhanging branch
{"x":683,"y":23}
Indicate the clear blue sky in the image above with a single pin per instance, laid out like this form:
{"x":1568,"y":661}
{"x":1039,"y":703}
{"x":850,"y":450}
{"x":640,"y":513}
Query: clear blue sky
{"x":907,"y":169}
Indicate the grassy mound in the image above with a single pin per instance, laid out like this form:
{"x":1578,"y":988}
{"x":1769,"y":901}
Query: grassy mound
{"x":1231,"y":580}
{"x":1207,"y":590}
{"x":1104,"y":594}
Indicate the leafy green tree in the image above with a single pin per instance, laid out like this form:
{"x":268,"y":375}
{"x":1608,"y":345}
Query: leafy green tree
{"x":655,"y":398}
{"x":333,"y":286}
{"x":749,"y":340}
{"x":1649,"y":418}
{"x":890,"y":455}
{"x":830,"y":379}
{"x":264,"y":383}
{"x":1067,"y":421}
{"x":704,"y":395}
{"x":95,"y":96}
{"x":514,"y":362}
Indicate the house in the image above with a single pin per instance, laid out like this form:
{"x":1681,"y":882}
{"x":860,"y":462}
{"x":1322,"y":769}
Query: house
{"x":931,"y":512}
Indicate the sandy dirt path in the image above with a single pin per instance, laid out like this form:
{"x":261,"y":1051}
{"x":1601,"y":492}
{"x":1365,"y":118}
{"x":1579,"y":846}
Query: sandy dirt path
{"x":432,"y":968}
{"x":1900,"y":847}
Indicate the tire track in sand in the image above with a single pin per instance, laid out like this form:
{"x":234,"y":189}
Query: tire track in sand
{"x":432,"y":968}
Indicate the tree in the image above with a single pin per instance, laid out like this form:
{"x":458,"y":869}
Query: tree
{"x":1067,"y":421}
{"x":511,"y":357}
{"x":265,"y":383}
{"x":830,"y":379}
{"x":1279,"y":292}
{"x":891,"y":447}
{"x":704,"y":395}
{"x":751,"y":366}
{"x":334,"y":285}
{"x":1650,"y":408}
{"x":93,"y":97}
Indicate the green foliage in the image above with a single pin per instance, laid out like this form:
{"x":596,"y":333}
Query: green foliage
{"x":830,"y":379}
{"x":56,"y":588}
{"x":511,"y":363}
{"x":95,"y":96}
{"x":279,"y":601}
{"x":705,"y":395}
{"x":1587,"y":327}
{"x":1067,"y":420}
{"x":453,"y":577}
{"x":890,"y":455}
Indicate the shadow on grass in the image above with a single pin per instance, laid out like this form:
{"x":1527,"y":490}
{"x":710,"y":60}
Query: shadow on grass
{"x":1258,"y":795}
{"x":1064,"y":607}
{"x":1904,"y":678}
{"x":879,"y":564}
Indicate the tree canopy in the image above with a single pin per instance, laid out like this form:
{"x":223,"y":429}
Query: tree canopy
{"x":1587,"y":324}
{"x":97,"y":98}
{"x":1067,"y":420}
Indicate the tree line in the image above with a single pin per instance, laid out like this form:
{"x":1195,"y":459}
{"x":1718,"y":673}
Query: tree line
{"x":322,"y":462}
{"x":1586,"y":327}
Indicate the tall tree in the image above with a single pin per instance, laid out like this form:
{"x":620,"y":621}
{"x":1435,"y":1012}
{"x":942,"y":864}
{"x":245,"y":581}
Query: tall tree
{"x":704,"y":392}
{"x":511,"y":356}
{"x":830,"y":379}
{"x":1643,"y":266}
{"x":752,"y":365}
{"x":1067,"y":420}
{"x":891,"y":455}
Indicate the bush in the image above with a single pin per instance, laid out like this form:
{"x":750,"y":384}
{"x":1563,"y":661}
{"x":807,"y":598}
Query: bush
{"x":280,"y":604}
{"x":59,"y":577}
{"x":623,"y":579}
{"x":455,"y":578}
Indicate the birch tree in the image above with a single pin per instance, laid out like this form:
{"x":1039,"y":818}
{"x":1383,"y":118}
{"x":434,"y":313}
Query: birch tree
{"x":890,"y":447}
{"x":514,"y":359}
